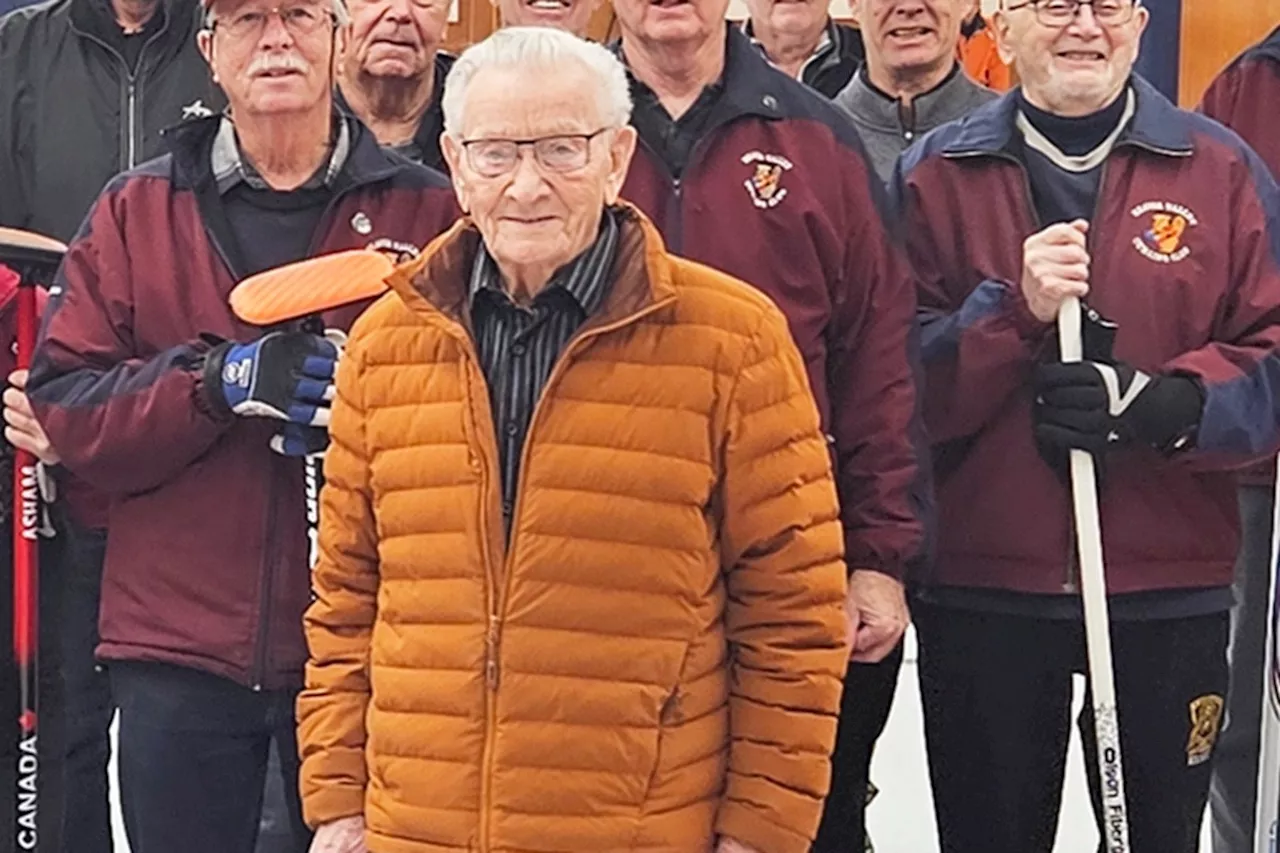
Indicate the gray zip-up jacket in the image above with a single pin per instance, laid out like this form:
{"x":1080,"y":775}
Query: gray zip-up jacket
{"x":888,"y":126}
{"x":72,"y":114}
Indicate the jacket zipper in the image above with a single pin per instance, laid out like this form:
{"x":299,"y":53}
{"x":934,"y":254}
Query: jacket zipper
{"x":496,"y":600}
{"x":268,"y":581}
{"x":130,"y":153}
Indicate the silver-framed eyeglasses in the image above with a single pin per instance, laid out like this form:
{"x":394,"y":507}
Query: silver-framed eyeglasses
{"x":301,"y":20}
{"x":1060,"y":13}
{"x":494,"y":158}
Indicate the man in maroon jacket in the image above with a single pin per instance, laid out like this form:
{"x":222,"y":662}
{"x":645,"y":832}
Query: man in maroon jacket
{"x":1092,"y":184}
{"x":1245,"y":97}
{"x":752,"y":172}
{"x":193,"y":422}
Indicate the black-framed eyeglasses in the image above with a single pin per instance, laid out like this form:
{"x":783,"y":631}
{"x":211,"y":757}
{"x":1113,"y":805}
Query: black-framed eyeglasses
{"x":1060,"y":13}
{"x":494,"y":158}
{"x":300,"y":20}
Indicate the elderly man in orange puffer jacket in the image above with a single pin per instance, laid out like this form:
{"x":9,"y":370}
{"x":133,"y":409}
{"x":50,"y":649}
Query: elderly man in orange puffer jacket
{"x":581,"y":585}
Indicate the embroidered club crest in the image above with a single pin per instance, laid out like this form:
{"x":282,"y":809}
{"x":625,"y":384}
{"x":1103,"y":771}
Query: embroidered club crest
{"x":765,"y":184}
{"x":1166,"y":225}
{"x":1206,"y":717}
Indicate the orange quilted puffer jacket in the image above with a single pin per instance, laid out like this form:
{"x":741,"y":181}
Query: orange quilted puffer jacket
{"x":656,"y":657}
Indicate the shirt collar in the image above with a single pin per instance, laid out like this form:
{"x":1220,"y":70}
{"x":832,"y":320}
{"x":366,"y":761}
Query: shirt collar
{"x":585,"y":278}
{"x":232,"y":168}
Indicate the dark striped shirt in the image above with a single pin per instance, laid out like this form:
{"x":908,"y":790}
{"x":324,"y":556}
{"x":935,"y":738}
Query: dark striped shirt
{"x":519,"y":346}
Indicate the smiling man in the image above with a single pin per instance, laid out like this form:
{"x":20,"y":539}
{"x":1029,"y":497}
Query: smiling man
{"x":750,"y":171}
{"x":802,"y":41}
{"x":572,"y":16}
{"x":156,"y":394}
{"x":391,"y":73}
{"x":1092,"y":185}
{"x":580,"y":586}
{"x":912,"y":81}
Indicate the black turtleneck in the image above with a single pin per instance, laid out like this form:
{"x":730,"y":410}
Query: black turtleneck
{"x":1063,"y":191}
{"x":1075,"y":135}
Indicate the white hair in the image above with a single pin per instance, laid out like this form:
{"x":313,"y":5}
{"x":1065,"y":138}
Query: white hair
{"x":537,"y":51}
{"x":337,"y":7}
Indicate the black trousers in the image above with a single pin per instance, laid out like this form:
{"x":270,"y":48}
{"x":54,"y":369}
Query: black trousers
{"x":1233,"y":796}
{"x":864,"y":710}
{"x":193,"y":759}
{"x":997,"y":705}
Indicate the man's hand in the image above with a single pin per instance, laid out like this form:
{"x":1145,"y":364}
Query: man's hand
{"x":345,"y":835}
{"x":20,"y":425}
{"x":1095,"y":407}
{"x":878,"y":615}
{"x":1055,"y":265}
{"x":730,"y":845}
{"x":283,"y":375}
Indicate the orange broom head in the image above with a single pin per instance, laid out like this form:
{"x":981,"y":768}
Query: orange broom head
{"x":27,"y":247}
{"x":309,"y":287}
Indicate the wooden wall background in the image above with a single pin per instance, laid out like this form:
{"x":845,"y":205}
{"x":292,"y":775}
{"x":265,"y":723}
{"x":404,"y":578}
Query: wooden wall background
{"x":1213,"y":33}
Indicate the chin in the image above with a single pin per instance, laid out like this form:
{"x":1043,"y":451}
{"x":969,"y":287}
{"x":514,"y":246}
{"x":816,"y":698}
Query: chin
{"x":281,"y":104}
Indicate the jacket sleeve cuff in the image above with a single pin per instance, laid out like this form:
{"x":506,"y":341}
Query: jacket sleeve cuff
{"x":740,"y":823}
{"x":332,"y":803}
{"x":1028,"y":325}
{"x":858,"y":556}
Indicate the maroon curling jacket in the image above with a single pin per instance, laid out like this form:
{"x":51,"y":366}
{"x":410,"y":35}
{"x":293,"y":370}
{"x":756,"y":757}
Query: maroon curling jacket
{"x":1245,"y":97}
{"x":207,"y":548}
{"x":1184,"y":246}
{"x":781,"y":195}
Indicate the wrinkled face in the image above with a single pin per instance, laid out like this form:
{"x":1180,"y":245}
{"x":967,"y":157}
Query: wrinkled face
{"x":670,"y":21}
{"x":269,"y":58}
{"x":904,"y":35}
{"x":569,"y":15}
{"x":533,"y":216}
{"x":788,"y":16}
{"x":1075,"y":69}
{"x":394,"y":38}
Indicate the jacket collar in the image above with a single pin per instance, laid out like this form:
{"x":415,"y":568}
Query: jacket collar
{"x":1270,"y":46}
{"x":1157,"y":126}
{"x":438,"y":282}
{"x":825,"y":53}
{"x":191,"y":145}
{"x":181,"y":23}
{"x":947,"y":101}
{"x":750,"y":82}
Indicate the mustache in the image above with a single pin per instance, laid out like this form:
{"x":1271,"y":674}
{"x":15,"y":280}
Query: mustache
{"x":274,"y":62}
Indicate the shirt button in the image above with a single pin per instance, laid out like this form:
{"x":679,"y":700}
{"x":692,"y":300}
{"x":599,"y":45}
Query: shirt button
{"x":512,"y":428}
{"x":908,"y":136}
{"x":507,"y":508}
{"x":517,"y":350}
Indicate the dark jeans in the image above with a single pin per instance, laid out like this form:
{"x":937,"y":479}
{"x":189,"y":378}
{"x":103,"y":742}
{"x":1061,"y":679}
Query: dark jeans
{"x":193,"y":759}
{"x":87,"y":704}
{"x":997,"y":712}
{"x":864,"y":710}
{"x":1234,"y":794}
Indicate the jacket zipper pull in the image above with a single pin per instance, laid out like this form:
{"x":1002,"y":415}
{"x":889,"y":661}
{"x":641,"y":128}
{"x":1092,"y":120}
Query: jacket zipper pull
{"x":491,"y":654}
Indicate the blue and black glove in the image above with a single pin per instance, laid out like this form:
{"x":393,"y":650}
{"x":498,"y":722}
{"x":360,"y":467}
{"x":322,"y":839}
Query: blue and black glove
{"x":283,"y":375}
{"x":1098,"y":407}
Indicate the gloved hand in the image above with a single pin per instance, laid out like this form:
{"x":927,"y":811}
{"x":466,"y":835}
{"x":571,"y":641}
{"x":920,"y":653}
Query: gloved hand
{"x":299,"y":440}
{"x":1093,"y":406}
{"x":282,"y":375}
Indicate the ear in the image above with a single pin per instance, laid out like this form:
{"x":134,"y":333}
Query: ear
{"x":341,"y":38}
{"x":1142,"y":18}
{"x":452,"y":152}
{"x":204,"y":41}
{"x":621,"y":148}
{"x":1000,"y":26}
